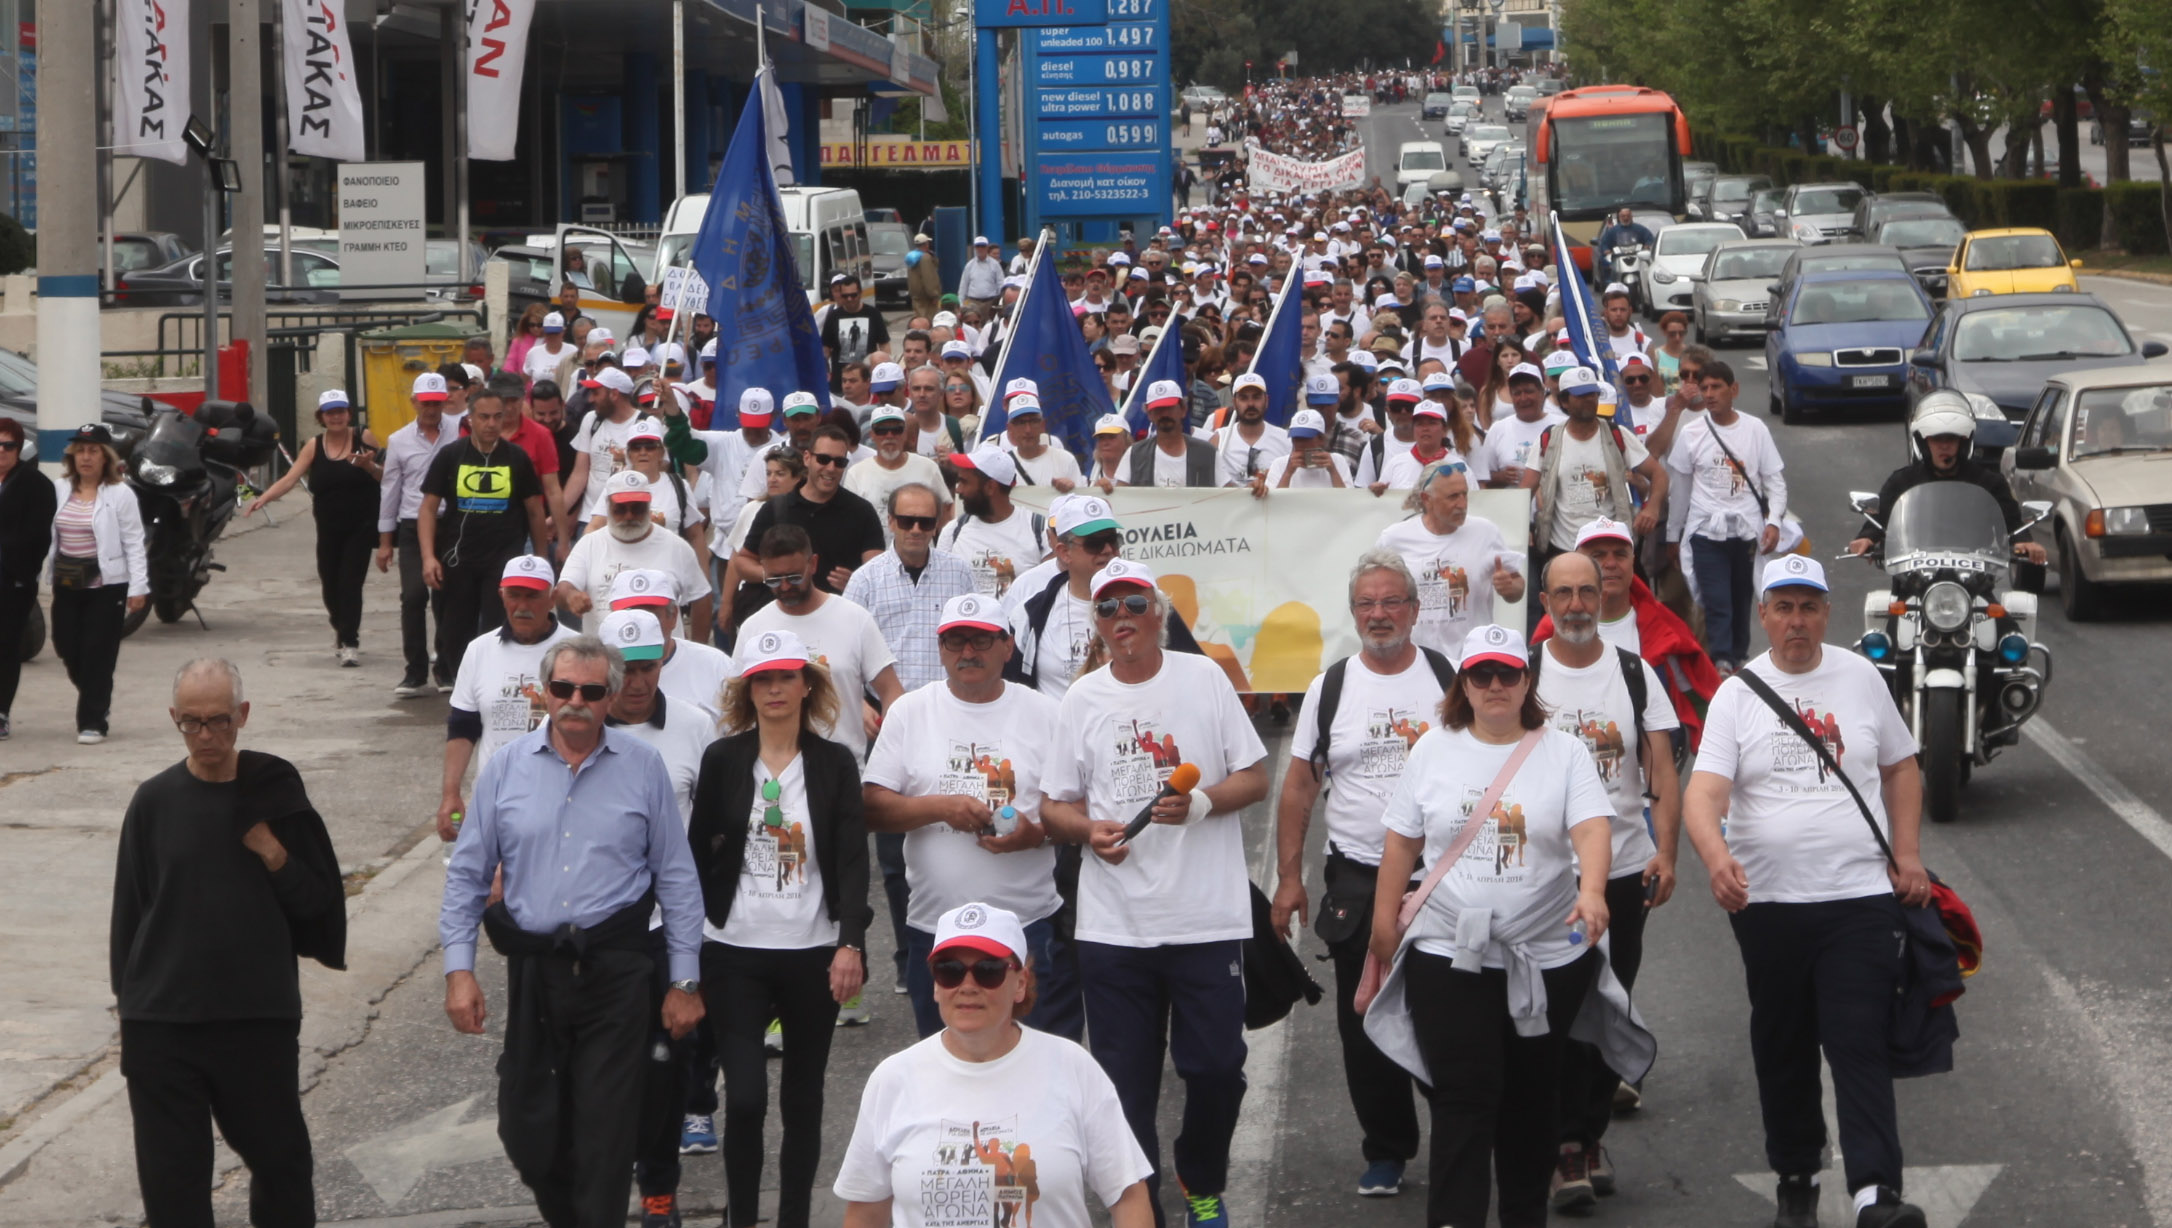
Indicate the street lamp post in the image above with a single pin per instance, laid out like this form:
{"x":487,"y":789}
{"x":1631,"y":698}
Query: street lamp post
{"x":221,"y":177}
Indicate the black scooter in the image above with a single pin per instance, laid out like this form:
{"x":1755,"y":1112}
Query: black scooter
{"x":186,"y":473}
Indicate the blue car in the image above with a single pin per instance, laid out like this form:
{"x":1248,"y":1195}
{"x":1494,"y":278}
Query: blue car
{"x":1842,"y":339}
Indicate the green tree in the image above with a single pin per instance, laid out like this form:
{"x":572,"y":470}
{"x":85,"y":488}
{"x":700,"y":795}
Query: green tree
{"x":2137,"y":33}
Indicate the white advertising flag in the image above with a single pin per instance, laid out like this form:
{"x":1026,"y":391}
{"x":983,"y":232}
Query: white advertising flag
{"x":324,"y":96}
{"x":151,"y":79}
{"x":497,"y":50}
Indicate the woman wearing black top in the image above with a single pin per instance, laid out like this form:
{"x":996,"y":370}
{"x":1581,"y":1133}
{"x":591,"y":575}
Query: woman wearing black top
{"x":781,"y":848}
{"x":342,"y":463}
{"x":27,"y":504}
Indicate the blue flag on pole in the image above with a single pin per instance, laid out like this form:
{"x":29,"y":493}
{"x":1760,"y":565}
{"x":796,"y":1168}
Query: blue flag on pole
{"x":1046,"y":346}
{"x":1166,"y":362}
{"x":1280,"y":359}
{"x":765,"y":327}
{"x":1578,"y":313}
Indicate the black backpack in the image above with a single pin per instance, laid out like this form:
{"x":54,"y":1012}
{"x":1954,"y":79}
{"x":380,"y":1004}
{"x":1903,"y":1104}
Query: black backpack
{"x":1444,"y":671}
{"x":1632,"y":675}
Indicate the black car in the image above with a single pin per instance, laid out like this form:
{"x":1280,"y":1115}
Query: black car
{"x":128,"y":417}
{"x":1726,"y":198}
{"x":1829,"y":258}
{"x":1926,"y":242}
{"x":1999,"y":349}
{"x":181,"y":282}
{"x":1876,"y":208}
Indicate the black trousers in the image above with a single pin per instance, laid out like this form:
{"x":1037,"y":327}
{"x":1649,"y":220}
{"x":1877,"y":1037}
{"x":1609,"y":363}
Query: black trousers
{"x":1825,"y":975}
{"x":1587,"y":1084}
{"x":470,"y":606}
{"x":1381,"y":1092}
{"x":16,"y":603}
{"x":746,"y":987}
{"x":664,"y":1077}
{"x":1494,"y":1092}
{"x":244,"y":1075}
{"x":343,"y":564}
{"x":87,"y":638}
{"x":597,"y":1015}
{"x":416,"y":600}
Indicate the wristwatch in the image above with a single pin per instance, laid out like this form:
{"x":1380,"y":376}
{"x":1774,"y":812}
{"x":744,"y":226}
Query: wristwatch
{"x":692,"y":987}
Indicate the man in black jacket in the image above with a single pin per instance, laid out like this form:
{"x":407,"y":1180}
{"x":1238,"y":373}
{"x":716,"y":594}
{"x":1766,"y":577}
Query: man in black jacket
{"x":1942,"y":437}
{"x":225,"y":876}
{"x":27,"y":505}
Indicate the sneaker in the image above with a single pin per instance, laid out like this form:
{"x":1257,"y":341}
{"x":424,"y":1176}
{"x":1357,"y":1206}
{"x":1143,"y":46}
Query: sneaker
{"x":349,"y":657}
{"x":4,"y":730}
{"x":1382,"y":1179}
{"x":88,"y":737}
{"x":1628,"y":1098}
{"x":660,"y":1211}
{"x":1797,"y":1197}
{"x":1571,"y":1192}
{"x":1205,"y":1211}
{"x":697,"y":1135}
{"x":444,"y":685}
{"x":773,"y":1039}
{"x":898,"y":989}
{"x":854,"y":1013}
{"x":411,"y":686}
{"x":1889,"y":1212}
{"x":1601,"y":1168}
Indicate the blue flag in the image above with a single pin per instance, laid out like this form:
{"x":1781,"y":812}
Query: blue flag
{"x":766,"y":335}
{"x":1578,"y":313}
{"x":1166,"y":362}
{"x":1280,"y":359}
{"x":1047,"y":347}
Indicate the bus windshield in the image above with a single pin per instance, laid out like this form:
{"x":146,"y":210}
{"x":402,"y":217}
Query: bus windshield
{"x":1603,"y":162}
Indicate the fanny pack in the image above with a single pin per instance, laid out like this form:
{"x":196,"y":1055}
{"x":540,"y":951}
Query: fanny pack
{"x":72,"y":572}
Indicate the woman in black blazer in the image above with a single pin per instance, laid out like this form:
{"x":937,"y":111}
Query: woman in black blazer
{"x":781,"y":848}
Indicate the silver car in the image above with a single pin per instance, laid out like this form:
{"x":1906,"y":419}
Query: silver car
{"x":1818,"y":212}
{"x":2095,"y":445}
{"x":1677,"y":261}
{"x":1733,"y":287}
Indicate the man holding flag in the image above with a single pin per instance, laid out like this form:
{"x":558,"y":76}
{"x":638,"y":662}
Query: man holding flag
{"x":1577,"y":315}
{"x":1044,"y":345}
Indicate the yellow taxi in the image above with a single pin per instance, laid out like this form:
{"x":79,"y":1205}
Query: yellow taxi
{"x":2016,"y":261}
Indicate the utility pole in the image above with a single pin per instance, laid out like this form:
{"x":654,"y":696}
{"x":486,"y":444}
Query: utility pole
{"x":68,"y":373}
{"x":245,"y":89}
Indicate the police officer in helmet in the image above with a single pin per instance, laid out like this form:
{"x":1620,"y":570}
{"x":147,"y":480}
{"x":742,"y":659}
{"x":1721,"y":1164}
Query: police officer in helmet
{"x":1942,"y":439}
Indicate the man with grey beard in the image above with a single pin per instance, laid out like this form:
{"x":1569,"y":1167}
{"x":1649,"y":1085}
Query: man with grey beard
{"x":1355,"y":728}
{"x":1608,"y":698}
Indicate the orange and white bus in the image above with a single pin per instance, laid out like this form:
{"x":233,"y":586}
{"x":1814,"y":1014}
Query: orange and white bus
{"x":1598,"y":148}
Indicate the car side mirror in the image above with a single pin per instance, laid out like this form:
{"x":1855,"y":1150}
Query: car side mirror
{"x":1697,"y":211}
{"x":2034,"y":458}
{"x":1923,"y":358}
{"x":2075,"y":263}
{"x":1864,"y":501}
{"x":2154,"y":349}
{"x":1772,"y":287}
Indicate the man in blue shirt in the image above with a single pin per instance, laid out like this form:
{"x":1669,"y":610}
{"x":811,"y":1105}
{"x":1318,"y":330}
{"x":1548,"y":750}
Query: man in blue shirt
{"x":1622,"y":231}
{"x":596,"y":803}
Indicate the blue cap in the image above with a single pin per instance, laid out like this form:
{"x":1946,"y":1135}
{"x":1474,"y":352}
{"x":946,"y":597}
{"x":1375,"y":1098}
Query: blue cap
{"x":1323,"y":390}
{"x":1462,"y":285}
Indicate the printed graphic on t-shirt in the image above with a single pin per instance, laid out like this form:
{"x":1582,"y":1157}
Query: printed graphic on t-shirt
{"x":1143,"y":761}
{"x":1791,"y":754}
{"x":1587,"y":493}
{"x":518,"y":706}
{"x":1444,"y":587}
{"x":1725,"y":477}
{"x":1500,"y":846}
{"x":981,"y":1176}
{"x":979,"y":772}
{"x":1599,"y":735}
{"x":993,"y":571}
{"x":1389,"y":735}
{"x":776,"y":864}
{"x":482,"y":488}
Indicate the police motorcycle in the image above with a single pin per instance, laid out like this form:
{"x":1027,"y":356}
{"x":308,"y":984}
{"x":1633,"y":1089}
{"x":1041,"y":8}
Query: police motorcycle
{"x":1954,"y":640}
{"x":186,"y":473}
{"x":1627,"y":263}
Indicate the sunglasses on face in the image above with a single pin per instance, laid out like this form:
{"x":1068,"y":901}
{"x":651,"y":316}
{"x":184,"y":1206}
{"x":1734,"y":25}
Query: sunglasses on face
{"x":1488,"y":674}
{"x":1636,"y":379}
{"x":959,"y":641}
{"x":1129,"y":603}
{"x":889,"y":429}
{"x":796,"y":579}
{"x":824,"y":458}
{"x":923,"y":523}
{"x":1104,"y":542}
{"x":632,"y":509}
{"x":593,"y":692}
{"x":645,"y":445}
{"x":11,"y":445}
{"x":988,"y":972}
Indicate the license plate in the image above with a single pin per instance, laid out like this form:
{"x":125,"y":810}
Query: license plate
{"x":1866,"y":381}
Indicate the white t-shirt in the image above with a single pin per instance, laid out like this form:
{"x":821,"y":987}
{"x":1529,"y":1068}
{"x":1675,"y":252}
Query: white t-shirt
{"x":1169,"y":470}
{"x":542,"y":362}
{"x":1797,"y":833}
{"x":1377,"y":720}
{"x":1524,"y":845}
{"x":869,"y":480}
{"x":1402,"y":472}
{"x":1053,"y":463}
{"x":1586,"y":493}
{"x":1716,"y":500}
{"x":779,"y":904}
{"x":665,"y":507}
{"x":1060,"y":649}
{"x":943,"y":1138}
{"x":500,"y":680}
{"x":997,"y":551}
{"x":930,"y":443}
{"x":1390,"y":448}
{"x":934,"y":743}
{"x":730,"y":458}
{"x":1115,"y":745}
{"x":598,"y":557}
{"x":1622,"y":633}
{"x":1306,"y":478}
{"x":1455,"y":577}
{"x":684,"y":738}
{"x":605,"y":443}
{"x":696,"y":673}
{"x":1232,"y":454}
{"x":1502,"y":408}
{"x":1593,"y":705}
{"x":1512,"y":441}
{"x":846,"y":638}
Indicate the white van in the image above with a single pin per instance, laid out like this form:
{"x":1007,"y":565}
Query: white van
{"x":1419,"y":161}
{"x":828,"y":228}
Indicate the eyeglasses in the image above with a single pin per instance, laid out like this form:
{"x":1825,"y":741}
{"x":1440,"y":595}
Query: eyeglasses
{"x":923,"y":523}
{"x":1488,"y":674}
{"x":593,"y":692}
{"x":772,"y":814}
{"x":1691,"y":375}
{"x":988,"y":972}
{"x":1386,"y":605}
{"x":1636,"y":379}
{"x":824,"y":458}
{"x":1129,"y":603}
{"x":796,"y":579}
{"x":959,"y":641}
{"x":193,"y":725}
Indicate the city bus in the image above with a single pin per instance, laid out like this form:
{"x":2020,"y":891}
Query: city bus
{"x":1598,"y":148}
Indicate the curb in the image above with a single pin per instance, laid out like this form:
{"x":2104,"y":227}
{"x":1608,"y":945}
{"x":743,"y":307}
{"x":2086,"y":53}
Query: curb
{"x":2160,"y":279}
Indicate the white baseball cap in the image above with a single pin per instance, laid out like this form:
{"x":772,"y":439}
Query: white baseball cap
{"x":1081,"y":514}
{"x":1023,"y":403}
{"x":1578,"y":381}
{"x":635,"y":633}
{"x":553,"y":322}
{"x":642,"y":586}
{"x":1495,"y":643}
{"x":801,"y":403}
{"x":983,"y":928}
{"x":1122,"y":571}
{"x":1604,"y":529}
{"x":1405,"y":390}
{"x":1524,"y":370}
{"x":1250,"y":379}
{"x":957,"y":349}
{"x":332,"y":398}
{"x":1322,"y":390}
{"x":755,"y":407}
{"x":1168,"y":392}
{"x":972,"y":610}
{"x":992,"y":462}
{"x":626,"y":486}
{"x":1021,"y":386}
{"x":1307,"y":424}
{"x":886,"y":413}
{"x":430,"y":386}
{"x":614,"y":379}
{"x":1113,"y":424}
{"x":778,"y":649}
{"x":527,"y":571}
{"x":1794,"y":569}
{"x":636,"y":357}
{"x":1560,"y":362}
{"x":886,"y":376}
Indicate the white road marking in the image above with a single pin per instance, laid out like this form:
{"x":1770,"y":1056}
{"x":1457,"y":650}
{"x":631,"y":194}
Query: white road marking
{"x":395,"y":1162}
{"x":2117,"y":798}
{"x":1755,"y":362}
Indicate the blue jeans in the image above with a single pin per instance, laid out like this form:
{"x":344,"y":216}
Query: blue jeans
{"x":1056,"y":1009}
{"x":1725,"y":588}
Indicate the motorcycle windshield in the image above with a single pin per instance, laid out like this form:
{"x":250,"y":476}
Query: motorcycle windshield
{"x":173,"y":440}
{"x":1947,"y":526}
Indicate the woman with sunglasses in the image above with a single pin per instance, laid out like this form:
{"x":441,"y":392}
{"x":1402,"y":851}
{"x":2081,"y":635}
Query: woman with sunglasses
{"x":1496,"y":964}
{"x":781,"y":849}
{"x":961,"y":400}
{"x":1668,"y":356}
{"x":342,"y":465}
{"x":1013,"y":1126}
{"x":525,"y":335}
{"x":27,"y":504}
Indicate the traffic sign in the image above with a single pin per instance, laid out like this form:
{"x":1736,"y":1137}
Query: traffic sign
{"x":1845,"y":136}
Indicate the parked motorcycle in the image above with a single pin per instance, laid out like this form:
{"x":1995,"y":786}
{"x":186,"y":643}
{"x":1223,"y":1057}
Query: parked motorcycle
{"x":1956,"y":644}
{"x":1627,"y":261}
{"x":185,"y":473}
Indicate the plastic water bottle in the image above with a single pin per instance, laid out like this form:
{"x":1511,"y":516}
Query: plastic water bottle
{"x":1005,"y":821}
{"x":1578,"y":932}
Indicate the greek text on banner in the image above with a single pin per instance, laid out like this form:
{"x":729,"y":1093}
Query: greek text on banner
{"x":1273,"y":172}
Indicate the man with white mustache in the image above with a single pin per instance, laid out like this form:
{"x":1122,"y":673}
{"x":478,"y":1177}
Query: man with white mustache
{"x":630,"y":541}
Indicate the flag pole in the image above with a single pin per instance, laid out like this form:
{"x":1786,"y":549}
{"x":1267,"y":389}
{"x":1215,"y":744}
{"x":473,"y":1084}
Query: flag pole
{"x":1138,"y":387}
{"x":1040,"y":252}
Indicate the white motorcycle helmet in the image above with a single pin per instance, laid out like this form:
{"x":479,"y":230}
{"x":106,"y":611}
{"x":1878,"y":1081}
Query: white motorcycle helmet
{"x":1943,"y":412}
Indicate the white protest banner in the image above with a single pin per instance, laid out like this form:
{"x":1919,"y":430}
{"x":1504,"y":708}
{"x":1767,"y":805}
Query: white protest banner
{"x":1356,"y":106}
{"x":151,"y":79}
{"x":1264,"y":583}
{"x":497,"y":51}
{"x":1273,"y":172}
{"x":324,"y":97}
{"x":684,"y":290}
